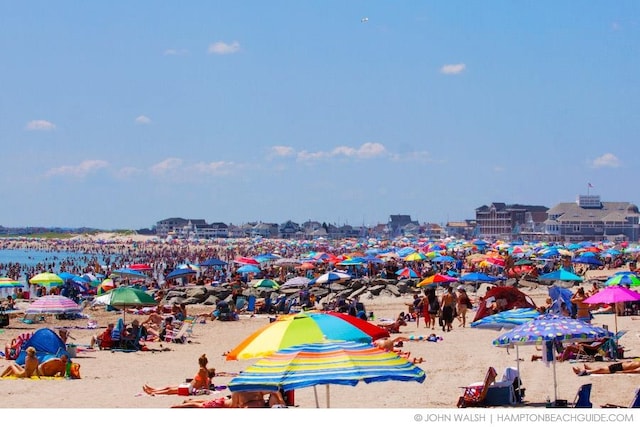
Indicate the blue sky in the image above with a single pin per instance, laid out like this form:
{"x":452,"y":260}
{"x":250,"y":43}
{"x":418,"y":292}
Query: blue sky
{"x":119,"y":114}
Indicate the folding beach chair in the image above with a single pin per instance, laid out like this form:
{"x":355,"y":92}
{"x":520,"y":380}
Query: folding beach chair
{"x":583,"y":397}
{"x":475,"y":394}
{"x":635,"y":403}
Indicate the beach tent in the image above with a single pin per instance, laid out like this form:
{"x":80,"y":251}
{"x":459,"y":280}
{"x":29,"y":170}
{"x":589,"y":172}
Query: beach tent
{"x":509,"y":296}
{"x":47,"y":343}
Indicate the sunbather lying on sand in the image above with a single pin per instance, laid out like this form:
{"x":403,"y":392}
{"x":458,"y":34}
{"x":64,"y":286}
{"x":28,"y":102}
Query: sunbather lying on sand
{"x":630,"y":367}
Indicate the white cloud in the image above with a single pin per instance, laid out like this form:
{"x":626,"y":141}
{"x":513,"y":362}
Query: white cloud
{"x":127,"y":172}
{"x":40,"y":125}
{"x":222,"y":48}
{"x":81,"y":170}
{"x":215,"y":168}
{"x":143,"y":120}
{"x":365,"y":151}
{"x":175,"y":52}
{"x":607,"y":160}
{"x":282,"y":151}
{"x":452,"y":68}
{"x":166,"y":165}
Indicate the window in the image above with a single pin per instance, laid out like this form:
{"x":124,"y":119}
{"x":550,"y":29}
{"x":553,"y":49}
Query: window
{"x":576,"y":228}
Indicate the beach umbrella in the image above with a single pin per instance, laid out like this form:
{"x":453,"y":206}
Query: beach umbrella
{"x":247,"y":268}
{"x":330,"y":277}
{"x":407,"y":272}
{"x":140,"y":267}
{"x":303,"y":328}
{"x":443,"y":258}
{"x":548,"y":329}
{"x":53,"y":304}
{"x":296,"y":282}
{"x":590,"y":260}
{"x":507,"y":319}
{"x":128,"y":296}
{"x":46,"y":279}
{"x":246,"y":260}
{"x":477,"y":277}
{"x":213,"y":262}
{"x":7,"y":282}
{"x":326,"y":362}
{"x":415,"y":256}
{"x":626,"y":278}
{"x":613,"y":295}
{"x":129,"y":273}
{"x":561,"y":275}
{"x":437,"y":279}
{"x":266,"y":284}
{"x":105,"y":286}
{"x":181,"y":272}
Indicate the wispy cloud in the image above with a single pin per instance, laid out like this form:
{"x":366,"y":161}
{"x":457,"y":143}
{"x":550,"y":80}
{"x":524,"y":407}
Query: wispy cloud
{"x":607,"y":160}
{"x":175,"y":52}
{"x":80,"y":171}
{"x":143,"y":120}
{"x":127,"y":172}
{"x":365,"y":151}
{"x":40,"y":125}
{"x":222,"y":48}
{"x":215,"y":168}
{"x":281,"y":151}
{"x":453,"y":68}
{"x":166,"y":165}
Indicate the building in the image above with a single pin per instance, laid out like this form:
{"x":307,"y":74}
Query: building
{"x":588,"y":218}
{"x":191,"y":229}
{"x":506,"y":222}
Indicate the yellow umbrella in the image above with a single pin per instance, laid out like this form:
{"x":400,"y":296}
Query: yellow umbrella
{"x":46,"y":279}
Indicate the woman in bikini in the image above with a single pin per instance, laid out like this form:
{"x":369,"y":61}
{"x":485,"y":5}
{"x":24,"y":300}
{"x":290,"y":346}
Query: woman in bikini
{"x":201,"y":381}
{"x":29,"y":369}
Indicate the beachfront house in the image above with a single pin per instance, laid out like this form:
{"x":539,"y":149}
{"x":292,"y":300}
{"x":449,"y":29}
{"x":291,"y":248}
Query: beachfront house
{"x":589,"y":218}
{"x":508,"y":222}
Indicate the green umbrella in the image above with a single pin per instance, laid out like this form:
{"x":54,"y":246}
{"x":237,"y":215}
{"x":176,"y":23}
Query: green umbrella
{"x":128,"y":296}
{"x":46,"y":279}
{"x":267,"y":284}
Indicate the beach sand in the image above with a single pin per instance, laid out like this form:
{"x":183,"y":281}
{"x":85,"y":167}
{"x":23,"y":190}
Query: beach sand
{"x":115,"y":379}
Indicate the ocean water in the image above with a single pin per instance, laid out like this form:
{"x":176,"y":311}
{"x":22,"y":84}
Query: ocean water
{"x":31,"y":258}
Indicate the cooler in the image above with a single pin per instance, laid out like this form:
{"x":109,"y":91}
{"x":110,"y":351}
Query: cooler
{"x":183,"y":389}
{"x":500,"y":394}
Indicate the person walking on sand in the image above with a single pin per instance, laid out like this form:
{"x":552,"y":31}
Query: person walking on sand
{"x":447,"y":302}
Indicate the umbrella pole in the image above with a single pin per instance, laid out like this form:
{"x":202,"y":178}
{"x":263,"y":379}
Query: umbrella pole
{"x":328,"y":396}
{"x":315,"y":394}
{"x":555,"y":381}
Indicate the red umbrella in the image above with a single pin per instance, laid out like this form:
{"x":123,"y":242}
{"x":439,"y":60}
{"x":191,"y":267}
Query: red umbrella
{"x":437,"y":278}
{"x":246,"y":260}
{"x":140,"y":267}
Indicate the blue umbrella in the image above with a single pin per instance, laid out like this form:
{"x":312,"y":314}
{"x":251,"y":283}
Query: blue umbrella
{"x":591,"y":260}
{"x":477,"y":277}
{"x":128,"y":272}
{"x":248,"y":268}
{"x":443,"y":258}
{"x":562,"y":275}
{"x":548,"y":329}
{"x":181,"y":272}
{"x":330,"y":277}
{"x":213,"y":262}
{"x":506,"y":319}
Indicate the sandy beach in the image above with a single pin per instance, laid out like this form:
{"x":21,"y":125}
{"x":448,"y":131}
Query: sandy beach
{"x":115,"y":379}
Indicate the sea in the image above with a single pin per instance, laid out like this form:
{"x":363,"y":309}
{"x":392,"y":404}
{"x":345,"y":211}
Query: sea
{"x":30,"y":258}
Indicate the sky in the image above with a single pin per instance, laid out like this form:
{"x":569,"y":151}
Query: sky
{"x":119,"y":114}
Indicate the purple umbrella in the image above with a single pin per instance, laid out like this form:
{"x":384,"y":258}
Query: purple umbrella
{"x":612,"y":295}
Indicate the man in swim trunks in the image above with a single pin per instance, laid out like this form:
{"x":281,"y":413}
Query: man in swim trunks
{"x":630,"y":367}
{"x":56,"y":367}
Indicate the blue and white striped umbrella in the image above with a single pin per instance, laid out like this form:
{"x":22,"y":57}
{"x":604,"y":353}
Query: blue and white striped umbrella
{"x":330,"y":277}
{"x":328,"y":362}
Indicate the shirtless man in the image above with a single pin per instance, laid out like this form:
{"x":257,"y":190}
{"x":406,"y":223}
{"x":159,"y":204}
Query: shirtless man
{"x":630,"y":367}
{"x":56,"y":367}
{"x":255,"y":399}
{"x":30,"y":366}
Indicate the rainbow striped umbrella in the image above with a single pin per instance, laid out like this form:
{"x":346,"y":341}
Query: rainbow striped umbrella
{"x":53,"y":304}
{"x":7,"y":282}
{"x":327,"y":362}
{"x":303,"y":328}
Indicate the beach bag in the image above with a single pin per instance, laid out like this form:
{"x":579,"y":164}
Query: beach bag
{"x":434,"y":306}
